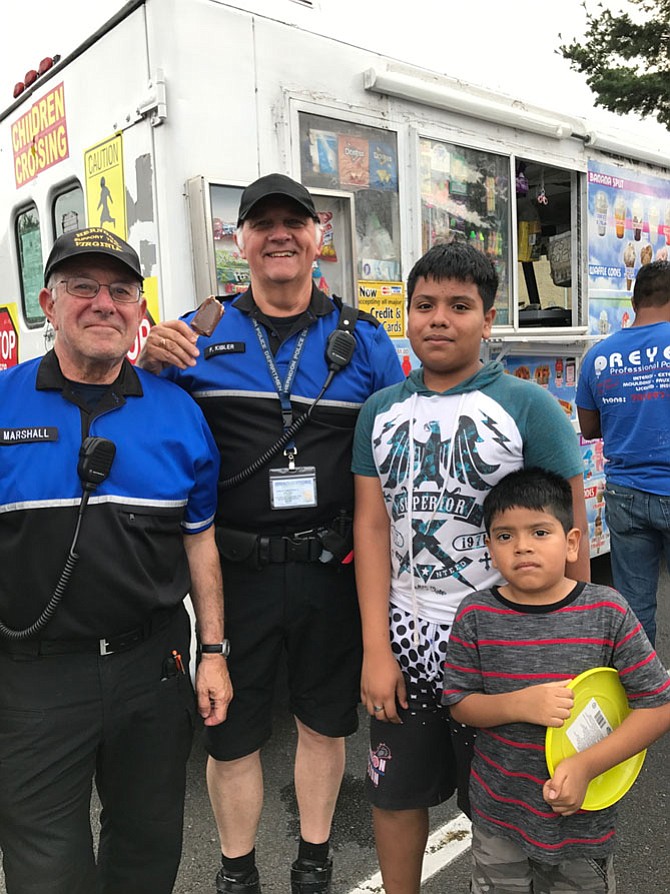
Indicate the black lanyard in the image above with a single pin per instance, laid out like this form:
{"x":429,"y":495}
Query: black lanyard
{"x":283,"y":389}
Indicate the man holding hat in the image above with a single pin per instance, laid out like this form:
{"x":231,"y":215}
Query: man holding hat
{"x":106,"y":521}
{"x":284,"y":528}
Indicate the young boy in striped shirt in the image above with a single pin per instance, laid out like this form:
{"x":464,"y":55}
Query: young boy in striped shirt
{"x":512,"y":650}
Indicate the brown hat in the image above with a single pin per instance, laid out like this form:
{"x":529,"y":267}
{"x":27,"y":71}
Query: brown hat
{"x":275,"y":185}
{"x":92,"y":241}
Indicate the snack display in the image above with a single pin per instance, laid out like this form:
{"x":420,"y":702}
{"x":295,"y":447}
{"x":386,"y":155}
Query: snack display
{"x":207,"y":316}
{"x":542,"y":375}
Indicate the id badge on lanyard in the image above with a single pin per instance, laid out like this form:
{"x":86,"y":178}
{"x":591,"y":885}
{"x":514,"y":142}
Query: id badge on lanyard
{"x":295,"y":486}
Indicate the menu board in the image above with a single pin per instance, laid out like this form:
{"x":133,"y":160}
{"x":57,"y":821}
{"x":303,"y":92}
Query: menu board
{"x":628,"y":227}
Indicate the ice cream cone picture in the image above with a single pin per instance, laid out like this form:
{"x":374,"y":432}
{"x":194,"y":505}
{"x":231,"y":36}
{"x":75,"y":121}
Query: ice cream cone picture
{"x":646,"y":253}
{"x":666,"y":224}
{"x":620,"y":216}
{"x":629,"y":263}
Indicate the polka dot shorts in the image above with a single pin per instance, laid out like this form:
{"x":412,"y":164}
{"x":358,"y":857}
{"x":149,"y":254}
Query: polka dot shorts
{"x":422,"y":662}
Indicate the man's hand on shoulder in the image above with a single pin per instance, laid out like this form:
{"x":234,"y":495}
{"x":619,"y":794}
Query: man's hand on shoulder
{"x":171,"y":343}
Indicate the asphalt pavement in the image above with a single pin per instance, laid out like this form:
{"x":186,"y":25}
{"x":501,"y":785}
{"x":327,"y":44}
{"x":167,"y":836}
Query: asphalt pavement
{"x":643,"y":860}
{"x":643,"y":855}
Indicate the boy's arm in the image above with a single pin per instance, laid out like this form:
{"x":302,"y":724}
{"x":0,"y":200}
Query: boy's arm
{"x":566,"y":790}
{"x":547,"y":704}
{"x":381,"y":679}
{"x":581,"y":569}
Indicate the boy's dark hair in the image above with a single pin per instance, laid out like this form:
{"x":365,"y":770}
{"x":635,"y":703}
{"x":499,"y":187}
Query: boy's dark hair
{"x":456,"y":260}
{"x":530,"y":488}
{"x":652,"y":285}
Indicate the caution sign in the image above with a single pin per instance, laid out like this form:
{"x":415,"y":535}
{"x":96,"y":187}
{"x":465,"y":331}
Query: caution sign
{"x":9,"y":337}
{"x":105,"y":186}
{"x":386,"y":300}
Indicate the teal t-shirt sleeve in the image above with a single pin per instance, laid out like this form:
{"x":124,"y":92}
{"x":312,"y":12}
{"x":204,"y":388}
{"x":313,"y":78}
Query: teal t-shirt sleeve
{"x":550,"y":441}
{"x":363,"y":460}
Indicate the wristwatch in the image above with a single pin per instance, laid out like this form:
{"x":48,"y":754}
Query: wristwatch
{"x":222,"y":648}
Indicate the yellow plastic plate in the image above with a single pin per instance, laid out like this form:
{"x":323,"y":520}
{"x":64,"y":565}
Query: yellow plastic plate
{"x":600,"y":706}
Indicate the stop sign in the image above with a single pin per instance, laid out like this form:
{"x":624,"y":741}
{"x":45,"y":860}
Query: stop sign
{"x":141,"y":337}
{"x":9,"y":340}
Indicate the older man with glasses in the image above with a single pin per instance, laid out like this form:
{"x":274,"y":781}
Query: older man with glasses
{"x":94,"y":637}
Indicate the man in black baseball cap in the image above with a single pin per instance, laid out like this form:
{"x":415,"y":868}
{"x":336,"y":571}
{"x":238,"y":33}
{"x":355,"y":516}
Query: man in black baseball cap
{"x":105,"y":672}
{"x":275,"y":185}
{"x":93,"y":240}
{"x":299,"y":601}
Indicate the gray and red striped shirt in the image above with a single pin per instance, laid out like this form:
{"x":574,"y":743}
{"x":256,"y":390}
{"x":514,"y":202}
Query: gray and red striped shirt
{"x":497,"y":646}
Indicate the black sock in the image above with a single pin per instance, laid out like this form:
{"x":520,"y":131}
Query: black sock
{"x":318,"y":853}
{"x":240,"y":866}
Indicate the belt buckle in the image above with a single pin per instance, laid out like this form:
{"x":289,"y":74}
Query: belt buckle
{"x":301,"y":535}
{"x":105,"y":647}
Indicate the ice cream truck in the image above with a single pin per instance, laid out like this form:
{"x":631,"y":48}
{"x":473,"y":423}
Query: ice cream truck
{"x":149,"y":131}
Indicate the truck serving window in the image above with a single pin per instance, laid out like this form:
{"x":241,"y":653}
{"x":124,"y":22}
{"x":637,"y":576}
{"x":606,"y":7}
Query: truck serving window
{"x":29,"y":253}
{"x":465,"y":196}
{"x":362,"y":161}
{"x":546,"y":213}
{"x":68,"y":211}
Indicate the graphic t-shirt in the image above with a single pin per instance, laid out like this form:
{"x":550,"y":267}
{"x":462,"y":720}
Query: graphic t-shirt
{"x":437,"y":456}
{"x":626,"y":378}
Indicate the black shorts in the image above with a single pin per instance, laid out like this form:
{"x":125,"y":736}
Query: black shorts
{"x":422,"y":761}
{"x":310,"y":611}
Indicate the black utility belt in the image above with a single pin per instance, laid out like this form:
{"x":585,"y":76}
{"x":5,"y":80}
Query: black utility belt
{"x":325,"y":545}
{"x":107,"y":645}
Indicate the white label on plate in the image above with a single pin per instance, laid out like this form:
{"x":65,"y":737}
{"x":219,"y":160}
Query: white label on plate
{"x":589,"y":727}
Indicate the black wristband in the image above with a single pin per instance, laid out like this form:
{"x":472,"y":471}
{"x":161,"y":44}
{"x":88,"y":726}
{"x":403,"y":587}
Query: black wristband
{"x":222,"y":648}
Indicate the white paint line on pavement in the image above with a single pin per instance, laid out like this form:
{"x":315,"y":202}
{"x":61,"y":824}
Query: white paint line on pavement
{"x":444,"y":845}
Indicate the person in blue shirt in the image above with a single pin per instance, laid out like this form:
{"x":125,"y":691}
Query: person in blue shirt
{"x":107,"y":501}
{"x":623,"y":397}
{"x":284,"y":532}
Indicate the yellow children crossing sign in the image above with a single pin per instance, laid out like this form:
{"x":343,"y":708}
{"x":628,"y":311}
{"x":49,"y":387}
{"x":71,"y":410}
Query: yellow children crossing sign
{"x":105,"y":186}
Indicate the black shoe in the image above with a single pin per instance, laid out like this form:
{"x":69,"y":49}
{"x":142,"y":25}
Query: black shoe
{"x":237,"y":882}
{"x":309,"y":877}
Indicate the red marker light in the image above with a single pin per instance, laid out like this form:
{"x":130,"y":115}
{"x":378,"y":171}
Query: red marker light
{"x":19,"y":88}
{"x":45,"y":65}
{"x":30,"y":78}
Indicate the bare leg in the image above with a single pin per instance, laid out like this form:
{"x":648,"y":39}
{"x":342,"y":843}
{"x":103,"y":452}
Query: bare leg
{"x":319,"y":767}
{"x":236,"y":793}
{"x":401,"y":837}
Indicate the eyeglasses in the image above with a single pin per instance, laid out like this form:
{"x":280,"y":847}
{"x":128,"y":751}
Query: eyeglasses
{"x":120,"y":292}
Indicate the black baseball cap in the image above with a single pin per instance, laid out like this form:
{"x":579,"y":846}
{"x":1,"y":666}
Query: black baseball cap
{"x":275,"y":185}
{"x":92,"y":241}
